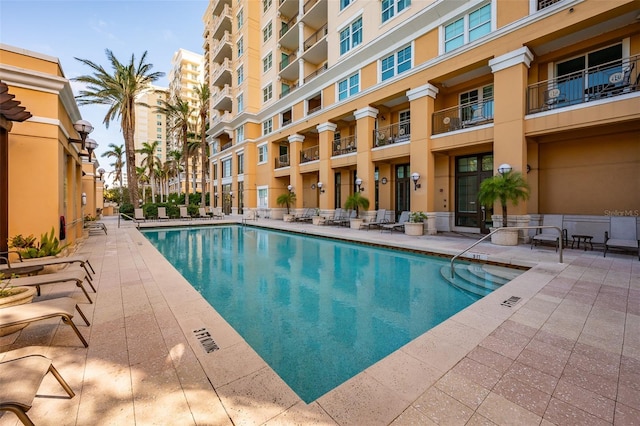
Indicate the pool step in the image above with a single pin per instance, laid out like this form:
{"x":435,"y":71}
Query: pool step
{"x":478,"y":279}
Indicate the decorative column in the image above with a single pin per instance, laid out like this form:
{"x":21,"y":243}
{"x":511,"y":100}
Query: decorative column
{"x":295,"y":178}
{"x":422,"y":101}
{"x":366,"y":124}
{"x":509,"y":142}
{"x":325,"y":136}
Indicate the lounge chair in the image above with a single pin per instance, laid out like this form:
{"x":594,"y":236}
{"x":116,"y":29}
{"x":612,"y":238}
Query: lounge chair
{"x":138,"y":215}
{"x":49,"y":261}
{"x":305,"y":216}
{"x":217,"y":212}
{"x":95,"y":226}
{"x":162,"y":213}
{"x":336,"y":216}
{"x":397,"y":226}
{"x":184,"y":213}
{"x":20,"y":379}
{"x":63,"y":307}
{"x":624,"y":235}
{"x":36,"y":281}
{"x":550,"y":235}
{"x":202,"y":214}
{"x":381,"y":218}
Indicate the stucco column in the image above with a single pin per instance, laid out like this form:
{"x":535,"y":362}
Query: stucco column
{"x":366,"y":120}
{"x":509,"y":142}
{"x":295,"y":178}
{"x":422,"y":101}
{"x":325,"y":175}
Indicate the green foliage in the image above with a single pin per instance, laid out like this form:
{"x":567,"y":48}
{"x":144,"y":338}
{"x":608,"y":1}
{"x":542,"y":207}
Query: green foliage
{"x":127,"y":208}
{"x":509,"y":187}
{"x":286,"y":199}
{"x":417,"y":217}
{"x":356,"y":201}
{"x":49,"y":245}
{"x":4,"y":283}
{"x":20,"y":242}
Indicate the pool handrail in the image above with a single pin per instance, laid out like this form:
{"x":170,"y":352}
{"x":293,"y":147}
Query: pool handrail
{"x":509,"y":227}
{"x":129,"y":217}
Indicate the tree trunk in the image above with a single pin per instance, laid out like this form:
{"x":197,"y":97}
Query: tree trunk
{"x":131,"y":165}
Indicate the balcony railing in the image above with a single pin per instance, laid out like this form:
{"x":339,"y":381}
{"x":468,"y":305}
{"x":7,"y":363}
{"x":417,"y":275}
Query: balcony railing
{"x":226,"y":146}
{"x":315,"y":37}
{"x":308,"y":5}
{"x":286,"y":26}
{"x":286,"y":61}
{"x":282,"y":161}
{"x":395,"y":133}
{"x":345,"y":145}
{"x":316,"y":73}
{"x":546,"y":3}
{"x":463,"y":116}
{"x":309,"y":154}
{"x":600,"y":82}
{"x":288,"y":90}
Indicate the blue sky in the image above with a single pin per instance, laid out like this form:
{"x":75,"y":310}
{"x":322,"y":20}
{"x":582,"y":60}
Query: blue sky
{"x":84,"y":29}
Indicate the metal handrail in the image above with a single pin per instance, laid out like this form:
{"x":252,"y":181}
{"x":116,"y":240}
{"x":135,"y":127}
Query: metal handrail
{"x":130,"y":218}
{"x":509,"y":227}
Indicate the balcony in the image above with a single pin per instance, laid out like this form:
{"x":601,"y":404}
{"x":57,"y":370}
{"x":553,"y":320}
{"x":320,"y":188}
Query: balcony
{"x":221,"y":99}
{"x":345,"y":145}
{"x":289,"y":34}
{"x":546,"y":3}
{"x":605,"y":81}
{"x":221,"y":74}
{"x":282,"y":161}
{"x":316,"y":47}
{"x":222,"y":23}
{"x":395,"y":133}
{"x":309,"y":154}
{"x":289,"y":67}
{"x":463,"y":116}
{"x":221,"y":48}
{"x":287,"y":90}
{"x":288,"y":7}
{"x":226,"y":146}
{"x":316,"y":73}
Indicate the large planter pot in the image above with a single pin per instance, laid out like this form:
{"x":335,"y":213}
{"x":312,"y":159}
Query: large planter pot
{"x":505,"y":237}
{"x":288,"y":217}
{"x":317,"y":220}
{"x":20,"y":296}
{"x":414,"y":228}
{"x":356,"y":223}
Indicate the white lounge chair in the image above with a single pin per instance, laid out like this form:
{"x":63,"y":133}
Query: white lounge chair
{"x":381,"y":219}
{"x":550,"y":235}
{"x":36,"y":281}
{"x":49,"y":261}
{"x":624,"y":235}
{"x":397,"y":226}
{"x":162,"y":213}
{"x":184,"y":213}
{"x":138,"y":215}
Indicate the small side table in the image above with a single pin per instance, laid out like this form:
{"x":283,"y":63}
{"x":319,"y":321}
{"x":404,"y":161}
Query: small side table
{"x":586,"y":239}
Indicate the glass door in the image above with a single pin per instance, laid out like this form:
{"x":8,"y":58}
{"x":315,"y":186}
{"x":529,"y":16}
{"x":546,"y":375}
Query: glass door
{"x":470,"y":172}
{"x":403,"y":189}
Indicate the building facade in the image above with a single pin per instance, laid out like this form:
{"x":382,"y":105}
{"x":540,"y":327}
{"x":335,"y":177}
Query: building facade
{"x":333,"y":91}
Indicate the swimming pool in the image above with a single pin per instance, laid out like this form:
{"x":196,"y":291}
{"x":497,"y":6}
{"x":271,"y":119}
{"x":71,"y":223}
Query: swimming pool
{"x":318,"y":311}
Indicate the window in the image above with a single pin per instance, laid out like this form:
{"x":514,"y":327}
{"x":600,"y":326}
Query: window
{"x":267,"y":62}
{"x":468,"y":28}
{"x":267,"y":126}
{"x":263,"y":194}
{"x":344,"y":3}
{"x":286,"y":117}
{"x":159,"y":117}
{"x":241,"y":74}
{"x":266,"y":4}
{"x":267,"y":93}
{"x":240,"y":100}
{"x":158,"y":129}
{"x":240,"y":163}
{"x":240,"y":46}
{"x":267,"y":32}
{"x":351,"y":36}
{"x":158,"y":123}
{"x":215,"y":171}
{"x":240,"y":17}
{"x":240,"y":134}
{"x":262,"y":153}
{"x":477,"y":104}
{"x":397,"y":63}
{"x":348,"y":87}
{"x":392,"y":7}
{"x":226,"y":167}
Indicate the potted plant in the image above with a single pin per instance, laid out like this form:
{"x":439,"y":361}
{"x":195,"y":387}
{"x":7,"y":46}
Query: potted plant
{"x":415,"y":226}
{"x":11,"y":296}
{"x":27,"y":247}
{"x":504,"y":187}
{"x":356,"y":201}
{"x":287,"y":199}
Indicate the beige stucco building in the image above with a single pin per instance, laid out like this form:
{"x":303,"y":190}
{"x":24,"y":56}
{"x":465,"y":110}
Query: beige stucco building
{"x":331,"y":91}
{"x":47,"y":173}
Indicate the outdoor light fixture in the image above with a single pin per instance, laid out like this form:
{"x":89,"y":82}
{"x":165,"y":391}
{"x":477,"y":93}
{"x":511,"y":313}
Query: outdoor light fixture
{"x":290,"y":188}
{"x":320,"y":185}
{"x":415,"y":177}
{"x":83,"y":127}
{"x":90,"y":144}
{"x":384,"y":181}
{"x":359,"y":184}
{"x":504,"y":169}
{"x":231,"y":194}
{"x":100,"y":172}
{"x":83,"y":198}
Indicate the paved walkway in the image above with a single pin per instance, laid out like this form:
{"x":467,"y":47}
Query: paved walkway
{"x":567,"y":353}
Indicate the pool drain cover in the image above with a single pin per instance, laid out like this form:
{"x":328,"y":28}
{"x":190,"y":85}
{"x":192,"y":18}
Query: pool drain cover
{"x":510,"y":302}
{"x":203,"y":336}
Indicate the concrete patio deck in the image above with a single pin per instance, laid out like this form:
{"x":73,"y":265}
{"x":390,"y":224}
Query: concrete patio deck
{"x":567,"y":353}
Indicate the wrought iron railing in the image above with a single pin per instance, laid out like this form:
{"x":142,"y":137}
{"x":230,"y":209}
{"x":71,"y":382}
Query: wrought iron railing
{"x":226,"y":146}
{"x":462,"y":116}
{"x":288,"y":60}
{"x":309,"y":154}
{"x":546,"y":3}
{"x":316,"y":73}
{"x":614,"y":78}
{"x":282,"y":161}
{"x":345,"y":145}
{"x":287,"y":26}
{"x":395,"y":133}
{"x":315,"y":37}
{"x":288,"y":90}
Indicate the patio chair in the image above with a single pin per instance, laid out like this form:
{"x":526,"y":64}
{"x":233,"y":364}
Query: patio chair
{"x":305,"y":216}
{"x":63,"y":307}
{"x":397,"y":226}
{"x":624,"y":235}
{"x":550,"y":235}
{"x":217,"y":212}
{"x":138,"y":215}
{"x":95,"y":226}
{"x":20,"y":379}
{"x":336,"y":216}
{"x":184,"y":213}
{"x":36,"y":281}
{"x":50,"y":261}
{"x":202,"y":214}
{"x":381,"y":218}
{"x":162,"y":213}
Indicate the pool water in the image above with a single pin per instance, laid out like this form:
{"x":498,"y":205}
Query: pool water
{"x":318,"y":311}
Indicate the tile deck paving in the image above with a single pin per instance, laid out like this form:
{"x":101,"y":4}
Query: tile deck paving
{"x":567,"y":353}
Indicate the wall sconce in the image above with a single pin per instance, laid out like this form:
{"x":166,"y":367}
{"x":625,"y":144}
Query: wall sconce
{"x":384,"y":181}
{"x":83,"y":127}
{"x":528,"y":168}
{"x":100,"y":172}
{"x":290,"y":188}
{"x":383,"y":118}
{"x":230,"y":194}
{"x":359,"y":185}
{"x":415,"y":177}
{"x":90,"y":145}
{"x":320,"y":185}
{"x":83,"y":198}
{"x":504,"y":169}
{"x":215,"y":195}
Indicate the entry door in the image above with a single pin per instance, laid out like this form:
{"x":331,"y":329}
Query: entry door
{"x":226,"y":199}
{"x":470,"y":172}
{"x":403,"y":189}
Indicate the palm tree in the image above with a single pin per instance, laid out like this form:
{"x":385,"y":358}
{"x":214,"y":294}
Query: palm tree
{"x":174,"y":160}
{"x":150,"y":160}
{"x":203,"y":94}
{"x":355,"y":201}
{"x":117,"y":152}
{"x":119,"y":90}
{"x":194,"y":153}
{"x":144,"y":179}
{"x":510,"y":186}
{"x":179,"y":113}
